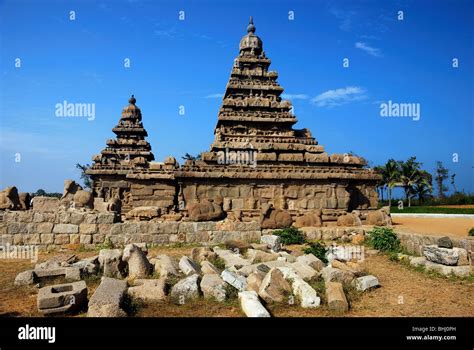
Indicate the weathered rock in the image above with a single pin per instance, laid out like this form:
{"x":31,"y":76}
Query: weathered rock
{"x":25,"y":278}
{"x":366,"y":282}
{"x":331,"y":274}
{"x":256,"y":256}
{"x":306,"y":272}
{"x":213,"y":286}
{"x":275,"y":218}
{"x":143,"y":213}
{"x":302,"y":290}
{"x":148,"y":289}
{"x":445,"y":242}
{"x":88,"y":266}
{"x":418,"y":261}
{"x":61,"y":298}
{"x":166,"y":266}
{"x":69,"y":273}
{"x":186,"y":289}
{"x":111,"y":263}
{"x":260,"y":246}
{"x":138,"y":264}
{"x":337,"y":301}
{"x":349,"y":219}
{"x":379,"y":217}
{"x":284,"y":256}
{"x":237,"y":281}
{"x":251,"y":305}
{"x":188,"y":267}
{"x":439,"y":255}
{"x":350,"y":267}
{"x":206,"y":210}
{"x":237,"y":246}
{"x":274,"y":287}
{"x":247,"y":270}
{"x":231,"y":259}
{"x":312,"y":219}
{"x":199,"y":254}
{"x":312,"y":261}
{"x":273,"y":242}
{"x":209,"y":268}
{"x":460,"y":271}
{"x":108,"y":298}
{"x":254,"y":281}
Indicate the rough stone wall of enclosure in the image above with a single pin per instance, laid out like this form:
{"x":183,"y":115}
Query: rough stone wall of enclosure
{"x":413,"y":242}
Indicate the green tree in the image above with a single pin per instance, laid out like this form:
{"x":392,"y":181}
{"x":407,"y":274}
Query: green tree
{"x":442,"y":174}
{"x":423,"y":188}
{"x":390,"y":177}
{"x":453,"y":176}
{"x":410,"y":174}
{"x":40,"y":192}
{"x":188,"y":156}
{"x":86,"y":179}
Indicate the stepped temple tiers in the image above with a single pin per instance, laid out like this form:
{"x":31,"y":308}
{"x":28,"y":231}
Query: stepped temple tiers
{"x":257,"y":167}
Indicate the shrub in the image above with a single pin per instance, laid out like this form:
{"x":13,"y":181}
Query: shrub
{"x":383,"y":239}
{"x":471,"y":232}
{"x":290,"y":235}
{"x":318,"y":250}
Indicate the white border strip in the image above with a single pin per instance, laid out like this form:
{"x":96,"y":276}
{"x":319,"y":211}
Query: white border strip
{"x":444,"y":216}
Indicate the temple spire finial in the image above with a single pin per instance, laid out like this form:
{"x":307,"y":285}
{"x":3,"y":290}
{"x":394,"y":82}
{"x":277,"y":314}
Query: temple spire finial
{"x":251,"y":28}
{"x":132,"y":100}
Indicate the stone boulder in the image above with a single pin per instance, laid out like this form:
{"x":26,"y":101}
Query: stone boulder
{"x":311,"y":260}
{"x":235,"y":280}
{"x":254,"y":281}
{"x":205,"y":210}
{"x":251,"y":305}
{"x":445,"y":242}
{"x":213,"y":286}
{"x":256,"y":256}
{"x":332,"y":274}
{"x":337,"y":301}
{"x":108,"y":298}
{"x":25,"y":278}
{"x":231,"y":259}
{"x":166,"y":266}
{"x":200,"y":254}
{"x":444,"y":256}
{"x":349,"y":219}
{"x":9,"y":199}
{"x":273,"y":242}
{"x":274,"y":287}
{"x":312,"y":219}
{"x":186,"y":289}
{"x":25,"y":199}
{"x":208,"y":268}
{"x":379,"y":217}
{"x":304,"y":271}
{"x":148,"y":289}
{"x":111,"y":263}
{"x":138,"y":264}
{"x":366,"y":282}
{"x":188,"y":267}
{"x":302,"y":290}
{"x":272,"y":218}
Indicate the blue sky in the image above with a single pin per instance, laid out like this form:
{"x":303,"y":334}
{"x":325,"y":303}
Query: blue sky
{"x":187,"y":63}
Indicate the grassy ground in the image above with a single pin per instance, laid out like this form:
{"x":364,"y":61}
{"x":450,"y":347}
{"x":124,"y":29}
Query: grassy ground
{"x":405,"y":292}
{"x":432,"y":210}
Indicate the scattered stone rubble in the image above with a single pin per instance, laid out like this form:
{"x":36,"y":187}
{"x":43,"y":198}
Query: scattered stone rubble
{"x":283,"y":277}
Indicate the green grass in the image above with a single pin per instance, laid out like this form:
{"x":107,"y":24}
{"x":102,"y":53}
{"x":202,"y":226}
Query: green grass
{"x":431,"y":210}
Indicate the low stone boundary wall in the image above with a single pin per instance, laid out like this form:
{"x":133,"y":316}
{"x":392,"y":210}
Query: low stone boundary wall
{"x":414,"y":242}
{"x":91,"y":228}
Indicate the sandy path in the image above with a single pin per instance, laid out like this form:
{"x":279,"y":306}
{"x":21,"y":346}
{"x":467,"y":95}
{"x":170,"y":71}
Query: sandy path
{"x":455,"y":227}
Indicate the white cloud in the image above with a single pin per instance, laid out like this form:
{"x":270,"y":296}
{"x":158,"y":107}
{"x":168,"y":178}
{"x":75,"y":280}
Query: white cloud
{"x":373,"y":51}
{"x":295,"y":96}
{"x":215,"y":96}
{"x":340,"y":96}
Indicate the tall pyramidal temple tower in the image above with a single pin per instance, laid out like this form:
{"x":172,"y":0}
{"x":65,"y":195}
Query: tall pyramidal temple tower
{"x":254,"y":115}
{"x":257,"y":160}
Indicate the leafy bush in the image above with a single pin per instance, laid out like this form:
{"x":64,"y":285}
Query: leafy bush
{"x":471,"y":232}
{"x":318,"y":250}
{"x":383,"y":239}
{"x":290,"y":235}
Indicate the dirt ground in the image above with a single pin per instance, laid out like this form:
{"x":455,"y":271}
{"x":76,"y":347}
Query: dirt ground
{"x":455,"y":227}
{"x":403,"y":292}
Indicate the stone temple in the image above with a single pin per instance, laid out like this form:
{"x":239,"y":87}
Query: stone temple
{"x":258,"y":167}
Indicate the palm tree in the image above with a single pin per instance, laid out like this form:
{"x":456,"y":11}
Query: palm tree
{"x":380,"y":169}
{"x":423,"y":188}
{"x":409,"y":175}
{"x":391,"y":176}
